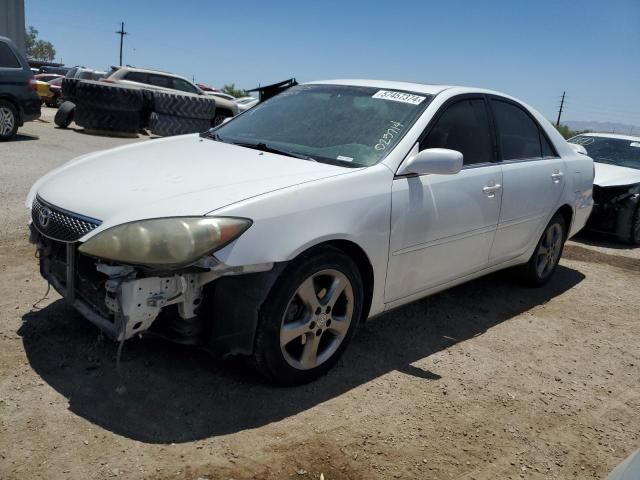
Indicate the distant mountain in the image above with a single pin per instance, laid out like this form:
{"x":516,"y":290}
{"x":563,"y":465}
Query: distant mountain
{"x":607,"y":127}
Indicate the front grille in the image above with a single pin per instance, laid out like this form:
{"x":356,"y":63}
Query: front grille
{"x":59,"y":224}
{"x":86,"y":282}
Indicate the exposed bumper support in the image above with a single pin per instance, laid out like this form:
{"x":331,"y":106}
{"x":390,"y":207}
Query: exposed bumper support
{"x":131,"y":302}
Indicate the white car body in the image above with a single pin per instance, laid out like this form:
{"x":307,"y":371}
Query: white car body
{"x":611,"y":175}
{"x":616,"y":185}
{"x":420,"y":233}
{"x":245,"y":103}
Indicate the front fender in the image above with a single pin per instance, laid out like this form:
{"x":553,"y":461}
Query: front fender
{"x":354,"y":207}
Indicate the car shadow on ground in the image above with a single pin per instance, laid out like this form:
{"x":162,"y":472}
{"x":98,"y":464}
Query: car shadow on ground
{"x":601,"y":239}
{"x":21,"y":137}
{"x":177,"y":394}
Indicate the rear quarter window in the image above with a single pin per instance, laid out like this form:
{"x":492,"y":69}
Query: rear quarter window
{"x":7,"y":57}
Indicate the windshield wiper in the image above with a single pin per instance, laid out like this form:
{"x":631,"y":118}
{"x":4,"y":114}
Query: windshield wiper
{"x":263,"y":147}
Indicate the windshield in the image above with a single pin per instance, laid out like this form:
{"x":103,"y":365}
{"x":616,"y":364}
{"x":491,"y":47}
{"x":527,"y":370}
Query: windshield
{"x":343,"y":125}
{"x":615,"y":151}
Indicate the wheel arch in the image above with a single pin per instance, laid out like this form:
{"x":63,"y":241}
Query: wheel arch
{"x":567,"y":213}
{"x":360,"y":257}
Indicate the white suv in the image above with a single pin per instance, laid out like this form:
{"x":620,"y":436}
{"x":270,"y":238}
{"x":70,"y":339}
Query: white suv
{"x":277,"y":233}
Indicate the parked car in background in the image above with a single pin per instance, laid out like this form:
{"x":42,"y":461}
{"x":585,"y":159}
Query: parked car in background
{"x":55,"y":89}
{"x":42,"y":85}
{"x":19,"y":101}
{"x":82,"y":73}
{"x":327,"y":204}
{"x":42,"y":89}
{"x":245,"y":103}
{"x":47,"y":77}
{"x":218,"y":94}
{"x":56,"y":70}
{"x":616,"y":186}
{"x":157,"y":80}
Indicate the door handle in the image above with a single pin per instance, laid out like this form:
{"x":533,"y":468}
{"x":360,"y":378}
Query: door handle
{"x":490,"y":190}
{"x":557,"y":176}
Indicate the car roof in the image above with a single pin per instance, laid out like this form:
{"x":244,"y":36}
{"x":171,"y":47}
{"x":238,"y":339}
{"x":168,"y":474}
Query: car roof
{"x":146,"y":70}
{"x":631,"y":138}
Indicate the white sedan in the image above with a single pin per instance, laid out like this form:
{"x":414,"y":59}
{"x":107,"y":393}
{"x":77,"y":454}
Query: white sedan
{"x":277,"y":233}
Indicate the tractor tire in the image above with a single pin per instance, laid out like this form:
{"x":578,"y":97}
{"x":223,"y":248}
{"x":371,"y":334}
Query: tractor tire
{"x":64,"y":115}
{"x":100,"y":95}
{"x":184,"y":105}
{"x":107,"y":120}
{"x":69,"y":86}
{"x":628,"y":224}
{"x":169,"y":125}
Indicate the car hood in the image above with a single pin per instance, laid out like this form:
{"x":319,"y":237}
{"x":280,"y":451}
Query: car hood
{"x":178,"y":176}
{"x":612,"y":175}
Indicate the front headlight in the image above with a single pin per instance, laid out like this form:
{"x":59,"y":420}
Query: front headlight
{"x":166,"y":242}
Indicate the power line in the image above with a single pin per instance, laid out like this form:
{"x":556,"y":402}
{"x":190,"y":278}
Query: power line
{"x":122,"y":33}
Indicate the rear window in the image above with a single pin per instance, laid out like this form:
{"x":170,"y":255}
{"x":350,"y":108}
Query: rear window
{"x":7,"y":57}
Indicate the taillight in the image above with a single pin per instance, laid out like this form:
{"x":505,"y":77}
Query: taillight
{"x":33,"y":83}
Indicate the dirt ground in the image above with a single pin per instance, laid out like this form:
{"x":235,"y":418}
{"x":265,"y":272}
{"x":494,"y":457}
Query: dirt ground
{"x":489,"y":380}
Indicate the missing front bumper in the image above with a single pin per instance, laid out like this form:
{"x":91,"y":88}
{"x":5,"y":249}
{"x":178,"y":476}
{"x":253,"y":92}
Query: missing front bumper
{"x":121,"y":300}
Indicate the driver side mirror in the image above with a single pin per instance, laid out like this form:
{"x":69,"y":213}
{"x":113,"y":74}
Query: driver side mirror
{"x":440,"y":161}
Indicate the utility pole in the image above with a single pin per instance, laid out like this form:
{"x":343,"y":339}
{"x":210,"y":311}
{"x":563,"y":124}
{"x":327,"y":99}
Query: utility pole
{"x":122,"y":33}
{"x":560,"y":111}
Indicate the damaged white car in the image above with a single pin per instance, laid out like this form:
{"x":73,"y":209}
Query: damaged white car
{"x":616,"y":186}
{"x":277,"y":233}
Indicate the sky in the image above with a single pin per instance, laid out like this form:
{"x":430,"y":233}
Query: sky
{"x":533,"y":50}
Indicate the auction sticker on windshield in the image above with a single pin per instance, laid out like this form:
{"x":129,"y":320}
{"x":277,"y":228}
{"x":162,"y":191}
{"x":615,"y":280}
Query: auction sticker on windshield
{"x":399,"y":97}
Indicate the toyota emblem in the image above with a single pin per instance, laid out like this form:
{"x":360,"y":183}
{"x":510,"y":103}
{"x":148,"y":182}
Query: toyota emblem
{"x":44,"y":216}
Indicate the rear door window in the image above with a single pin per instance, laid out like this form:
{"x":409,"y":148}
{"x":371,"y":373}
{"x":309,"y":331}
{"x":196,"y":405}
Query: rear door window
{"x":159,"y":81}
{"x":137,"y":77}
{"x":464,"y":126}
{"x":7,"y":57}
{"x":519,"y":135}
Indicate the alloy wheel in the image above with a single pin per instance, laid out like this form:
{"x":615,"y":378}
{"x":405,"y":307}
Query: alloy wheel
{"x":549,"y":250}
{"x":317,"y":319}
{"x":7,"y":121}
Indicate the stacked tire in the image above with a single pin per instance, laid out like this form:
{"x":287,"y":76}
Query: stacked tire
{"x":179,"y":114}
{"x":69,"y":89}
{"x":107,"y":107}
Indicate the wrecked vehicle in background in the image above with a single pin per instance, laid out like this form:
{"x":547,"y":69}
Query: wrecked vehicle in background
{"x":616,"y":186}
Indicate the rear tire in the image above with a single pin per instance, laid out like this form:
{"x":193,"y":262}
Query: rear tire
{"x":309,"y":317}
{"x":106,"y":96}
{"x":628,"y":222}
{"x":170,"y":125}
{"x":107,"y":120}
{"x":8,"y":121}
{"x":544,"y":261}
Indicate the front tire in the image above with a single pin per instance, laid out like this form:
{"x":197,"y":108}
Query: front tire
{"x":309,"y":317}
{"x":544,"y":261}
{"x":628,"y":222}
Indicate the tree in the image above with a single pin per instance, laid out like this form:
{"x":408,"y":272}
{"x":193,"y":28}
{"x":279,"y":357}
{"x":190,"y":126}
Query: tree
{"x":232,"y":90}
{"x":38,"y":49}
{"x":565,"y":131}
